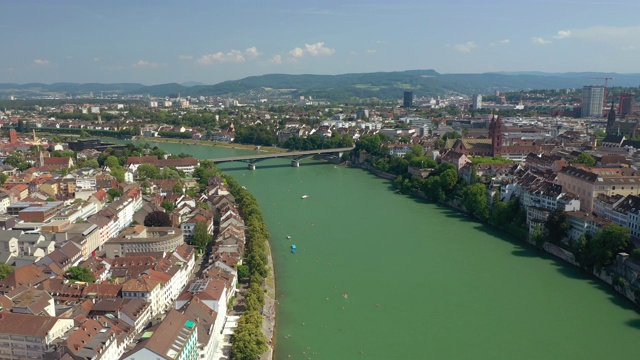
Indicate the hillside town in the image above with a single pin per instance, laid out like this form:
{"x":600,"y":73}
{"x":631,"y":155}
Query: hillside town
{"x":114,"y":251}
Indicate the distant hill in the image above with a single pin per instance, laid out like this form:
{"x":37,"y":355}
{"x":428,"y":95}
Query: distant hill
{"x":192,"y":83}
{"x":382,"y":85}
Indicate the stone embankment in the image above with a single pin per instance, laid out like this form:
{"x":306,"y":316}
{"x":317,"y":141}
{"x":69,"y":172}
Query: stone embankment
{"x":269,"y":309}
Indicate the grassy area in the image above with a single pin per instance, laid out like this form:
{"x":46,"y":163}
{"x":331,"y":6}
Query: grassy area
{"x":368,"y":87}
{"x":490,"y":160}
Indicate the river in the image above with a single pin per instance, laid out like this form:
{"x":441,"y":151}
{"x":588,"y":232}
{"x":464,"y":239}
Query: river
{"x":422,"y":281}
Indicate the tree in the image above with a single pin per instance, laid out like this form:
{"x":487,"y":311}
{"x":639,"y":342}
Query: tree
{"x":557,"y":226}
{"x":114,"y":193}
{"x":157,"y":219}
{"x":243,"y":271}
{"x":249,"y":341}
{"x":5,"y":270}
{"x":168,"y":205}
{"x":599,"y":251}
{"x":147,"y":171}
{"x":118,"y":173}
{"x":474,"y":199}
{"x":3,"y":178}
{"x":88,"y":163}
{"x":201,"y":236}
{"x":585,"y":159}
{"x":448,"y":180}
{"x":177,"y":188}
{"x":112,"y":162}
{"x":79,"y":273}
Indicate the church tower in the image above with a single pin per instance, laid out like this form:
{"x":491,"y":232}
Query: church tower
{"x":611,"y":121}
{"x":495,"y":132}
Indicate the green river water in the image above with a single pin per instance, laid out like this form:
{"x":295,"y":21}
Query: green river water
{"x":422,"y":281}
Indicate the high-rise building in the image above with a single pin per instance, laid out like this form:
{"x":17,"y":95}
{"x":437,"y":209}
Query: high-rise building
{"x":592,"y":100}
{"x":626,"y":104}
{"x":477,"y":101}
{"x":408,"y":99}
{"x":13,"y":136}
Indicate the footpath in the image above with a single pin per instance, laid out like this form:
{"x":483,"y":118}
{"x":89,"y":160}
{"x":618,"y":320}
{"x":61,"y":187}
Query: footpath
{"x":269,"y":309}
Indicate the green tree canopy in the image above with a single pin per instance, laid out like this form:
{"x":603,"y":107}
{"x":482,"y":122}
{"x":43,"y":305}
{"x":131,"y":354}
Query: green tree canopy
{"x":557,"y":226}
{"x":112,"y":162}
{"x":5,"y":270}
{"x":201,"y":236}
{"x":147,"y":171}
{"x":586,"y":159}
{"x":249,"y":341}
{"x":79,"y":273}
{"x":474,"y":199}
{"x":599,"y":251}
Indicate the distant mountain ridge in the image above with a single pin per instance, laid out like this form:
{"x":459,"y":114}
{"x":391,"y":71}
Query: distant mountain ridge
{"x":382,"y":85}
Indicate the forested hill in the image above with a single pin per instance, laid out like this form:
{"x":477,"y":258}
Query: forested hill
{"x":382,"y":85}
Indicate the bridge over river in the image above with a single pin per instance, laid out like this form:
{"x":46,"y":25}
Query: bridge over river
{"x":294,"y":155}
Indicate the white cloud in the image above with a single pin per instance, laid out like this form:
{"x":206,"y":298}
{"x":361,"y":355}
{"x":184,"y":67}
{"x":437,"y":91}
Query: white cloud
{"x":145,"y":64}
{"x":504,"y":41}
{"x":465,"y":47}
{"x":220,"y":57}
{"x":252,"y":52}
{"x":185,"y":57}
{"x":297,"y":53}
{"x":276,"y":59}
{"x":41,"y":62}
{"x":562,"y":34}
{"x":318,"y":49}
{"x":371,"y":51}
{"x":96,"y":59}
{"x":540,"y":41}
{"x":233,"y":56}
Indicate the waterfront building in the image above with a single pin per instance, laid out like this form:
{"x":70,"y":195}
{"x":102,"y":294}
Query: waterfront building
{"x":592,"y":100}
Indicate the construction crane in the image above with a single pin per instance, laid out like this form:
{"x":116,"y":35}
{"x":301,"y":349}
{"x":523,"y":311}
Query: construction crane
{"x":606,"y":82}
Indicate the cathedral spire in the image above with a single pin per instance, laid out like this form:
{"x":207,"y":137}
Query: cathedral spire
{"x":611,"y":120}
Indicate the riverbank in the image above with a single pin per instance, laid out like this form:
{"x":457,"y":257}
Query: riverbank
{"x":269,"y":308}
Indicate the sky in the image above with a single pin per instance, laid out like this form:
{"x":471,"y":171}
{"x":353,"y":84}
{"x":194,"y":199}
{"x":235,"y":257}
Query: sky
{"x":210,"y":41}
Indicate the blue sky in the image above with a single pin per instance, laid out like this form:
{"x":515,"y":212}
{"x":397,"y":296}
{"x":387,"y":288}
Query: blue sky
{"x":154,"y":42}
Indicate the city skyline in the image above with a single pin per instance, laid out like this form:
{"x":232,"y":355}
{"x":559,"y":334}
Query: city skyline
{"x":160,"y":42}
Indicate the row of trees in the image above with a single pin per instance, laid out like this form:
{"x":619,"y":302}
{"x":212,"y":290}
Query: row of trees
{"x":317,"y":141}
{"x":249,"y":342}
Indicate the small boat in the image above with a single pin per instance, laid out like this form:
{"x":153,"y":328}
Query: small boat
{"x":305,"y":196}
{"x":293,"y":249}
{"x":344,"y":294}
{"x":288,"y":236}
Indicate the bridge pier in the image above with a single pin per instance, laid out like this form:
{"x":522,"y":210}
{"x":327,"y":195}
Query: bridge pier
{"x":252,"y":166}
{"x":295,"y":163}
